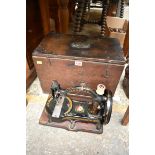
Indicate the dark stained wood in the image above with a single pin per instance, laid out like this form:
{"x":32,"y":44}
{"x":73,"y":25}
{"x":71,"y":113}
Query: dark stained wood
{"x":34,"y":29}
{"x":53,"y":5}
{"x":63,"y":15}
{"x":78,"y":16}
{"x":34,"y":34}
{"x":112,"y":9}
{"x":122,"y":8}
{"x":44,"y":8}
{"x":88,"y":48}
{"x":125,"y":119}
{"x":59,"y":11}
{"x":81,"y":11}
{"x":69,"y":75}
{"x":104,"y":27}
{"x":71,"y":9}
{"x":55,"y":59}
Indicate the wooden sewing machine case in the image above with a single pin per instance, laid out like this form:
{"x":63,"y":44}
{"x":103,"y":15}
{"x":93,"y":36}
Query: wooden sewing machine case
{"x":73,"y":59}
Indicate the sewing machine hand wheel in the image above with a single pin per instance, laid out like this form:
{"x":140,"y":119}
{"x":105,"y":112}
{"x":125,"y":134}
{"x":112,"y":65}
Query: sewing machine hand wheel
{"x":108,"y":107}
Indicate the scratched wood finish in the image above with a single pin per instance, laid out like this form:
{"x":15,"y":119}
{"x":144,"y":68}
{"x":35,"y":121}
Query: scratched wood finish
{"x":102,"y":62}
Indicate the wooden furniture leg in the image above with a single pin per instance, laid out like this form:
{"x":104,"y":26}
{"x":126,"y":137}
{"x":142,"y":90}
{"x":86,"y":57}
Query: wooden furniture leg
{"x":53,"y":5}
{"x":44,"y":8}
{"x":71,"y":9}
{"x":122,"y":8}
{"x":126,"y":43}
{"x":112,"y":9}
{"x":84,"y":12}
{"x":103,"y":18}
{"x":78,"y":16}
{"x":125,"y":119}
{"x":63,"y":15}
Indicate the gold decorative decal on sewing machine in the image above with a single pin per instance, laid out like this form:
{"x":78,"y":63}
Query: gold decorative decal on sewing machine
{"x":69,"y":105}
{"x":62,"y":106}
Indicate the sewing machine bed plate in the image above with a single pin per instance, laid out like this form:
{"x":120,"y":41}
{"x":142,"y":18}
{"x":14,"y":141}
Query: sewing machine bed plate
{"x":80,"y":126}
{"x":86,"y":126}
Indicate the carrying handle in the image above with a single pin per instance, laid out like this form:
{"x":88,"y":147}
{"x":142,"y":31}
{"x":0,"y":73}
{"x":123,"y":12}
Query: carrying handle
{"x":80,"y":44}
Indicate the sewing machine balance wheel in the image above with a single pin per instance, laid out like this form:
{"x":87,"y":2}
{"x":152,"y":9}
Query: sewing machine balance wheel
{"x":108,"y":107}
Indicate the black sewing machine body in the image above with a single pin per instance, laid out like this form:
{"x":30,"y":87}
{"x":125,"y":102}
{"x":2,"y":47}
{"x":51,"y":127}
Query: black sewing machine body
{"x":79,"y":104}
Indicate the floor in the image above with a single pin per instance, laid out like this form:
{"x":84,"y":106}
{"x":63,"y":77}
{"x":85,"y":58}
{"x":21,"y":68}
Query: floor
{"x":44,"y":140}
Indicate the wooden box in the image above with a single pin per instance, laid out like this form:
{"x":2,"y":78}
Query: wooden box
{"x":120,"y":23}
{"x":73,"y":59}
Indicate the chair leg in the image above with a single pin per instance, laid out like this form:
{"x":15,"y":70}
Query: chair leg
{"x":103,"y":17}
{"x":78,"y":16}
{"x":122,"y":9}
{"x":86,"y":3}
{"x":125,"y":119}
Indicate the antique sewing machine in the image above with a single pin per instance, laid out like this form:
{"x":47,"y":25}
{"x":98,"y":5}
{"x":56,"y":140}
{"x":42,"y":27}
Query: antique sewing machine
{"x":78,"y":108}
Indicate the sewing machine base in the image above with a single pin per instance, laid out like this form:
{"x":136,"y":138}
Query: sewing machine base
{"x":45,"y":119}
{"x":78,"y":108}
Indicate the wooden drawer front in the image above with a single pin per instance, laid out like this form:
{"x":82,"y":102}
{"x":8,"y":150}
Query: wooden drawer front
{"x":70,"y":73}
